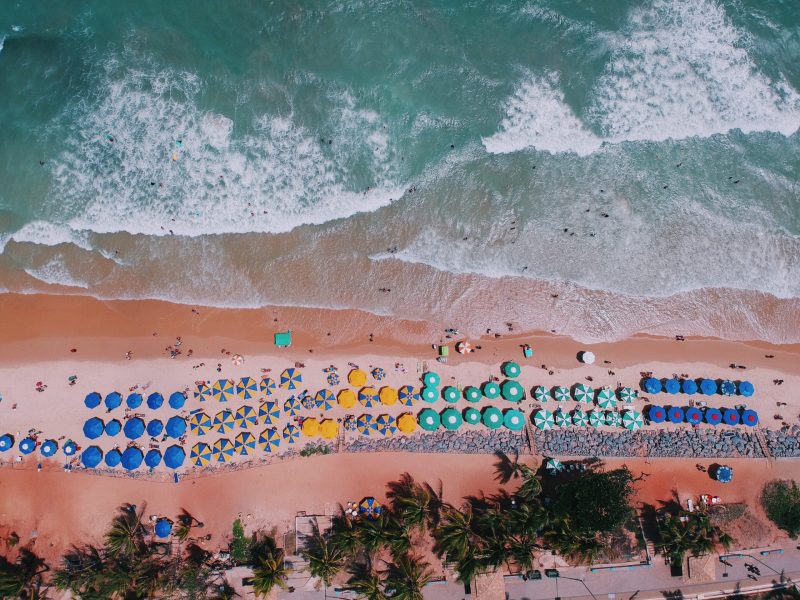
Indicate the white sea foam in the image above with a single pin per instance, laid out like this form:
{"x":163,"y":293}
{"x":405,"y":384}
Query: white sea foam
{"x":55,"y":272}
{"x":50,"y":234}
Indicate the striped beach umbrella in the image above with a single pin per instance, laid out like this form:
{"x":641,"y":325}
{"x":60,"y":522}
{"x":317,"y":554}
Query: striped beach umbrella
{"x":292,"y":406}
{"x":746,"y":388}
{"x":174,"y":457}
{"x":713,"y":416}
{"x":750,"y":417}
{"x":561,"y":394}
{"x":310,"y":427}
{"x":429,"y":419}
{"x":222,"y":450}
{"x":307,"y":401}
{"x":324,"y":399}
{"x":48,"y":448}
{"x":514,"y":419}
{"x":730,"y":416}
{"x":346,"y":398}
{"x":472,"y":416}
{"x":541,"y":393}
{"x":368,"y":397}
{"x":511,"y":369}
{"x":491,"y":390}
{"x":512,"y":390}
{"x":408,"y":395}
{"x":652,"y":385}
{"x":579,"y":418}
{"x":562,"y":418}
{"x":155,"y":427}
{"x":451,"y":394}
{"x":113,"y":458}
{"x":349,"y":423}
{"x":244,"y":443}
{"x":245,"y":416}
{"x":291,"y":378}
{"x":492,"y":417}
{"x":657,"y":414}
{"x":451,"y":419}
{"x":689,"y":386}
{"x":430,"y":379}
{"x":378,"y":374}
{"x":134,"y":400}
{"x":69,"y":449}
{"x":223,"y":390}
{"x":153,"y":458}
{"x":176,"y":400}
{"x":357,"y":378}
{"x":388,"y":396}
{"x":155,"y":401}
{"x":675,"y":414}
{"x":385,"y":425}
{"x":134,"y":428}
{"x":543,"y":419}
{"x":472,"y":394}
{"x":626,"y":395}
{"x":200,"y":454}
{"x":328,"y":429}
{"x":583,"y":393}
{"x":369,"y":508}
{"x":597,"y":418}
{"x":6,"y":442}
{"x":727,"y":388}
{"x":429,"y":394}
{"x":606,"y":398}
{"x":91,"y":457}
{"x":247,"y":388}
{"x":113,"y":427}
{"x":175,"y":427}
{"x":92,"y":400}
{"x":132,"y":458}
{"x":708,"y":387}
{"x":672,"y":386}
{"x":333,"y":379}
{"x":200,"y":423}
{"x":269,"y":440}
{"x":632,"y":420}
{"x":693,"y":415}
{"x":406,"y":423}
{"x":113,"y":400}
{"x":613,"y":418}
{"x":201,"y":391}
{"x":553,"y":466}
{"x":267,"y":386}
{"x":223,"y":421}
{"x":365,"y":424}
{"x":93,"y":428}
{"x":268,"y":412}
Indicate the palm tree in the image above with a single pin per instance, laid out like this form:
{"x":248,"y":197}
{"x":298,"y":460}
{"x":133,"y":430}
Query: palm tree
{"x":387,"y":531}
{"x":365,"y":581}
{"x":126,"y":535}
{"x":506,"y":468}
{"x":577,"y":545}
{"x":345,"y":535}
{"x":81,"y":571}
{"x":23,"y":578}
{"x":269,"y":571}
{"x":417,"y":505}
{"x":531,"y":486}
{"x":325,"y":560}
{"x":406,"y":576}
{"x":453,"y":538}
{"x":691,"y":533}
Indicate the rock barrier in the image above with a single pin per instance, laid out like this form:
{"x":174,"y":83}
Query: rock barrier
{"x":461,"y":442}
{"x":784,"y":443}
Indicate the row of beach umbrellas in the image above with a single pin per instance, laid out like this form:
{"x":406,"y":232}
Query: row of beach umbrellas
{"x":27,"y":445}
{"x":154,"y":401}
{"x":247,"y":388}
{"x":695,"y":416}
{"x":134,"y":428}
{"x":629,"y":419}
{"x":707,"y":387}
{"x":133,"y":457}
{"x":244,"y":444}
{"x":605,"y":397}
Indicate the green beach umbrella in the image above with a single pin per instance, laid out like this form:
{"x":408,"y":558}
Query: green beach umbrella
{"x":512,"y":390}
{"x":579,"y":418}
{"x":451,"y":419}
{"x":562,"y":418}
{"x":491,"y":389}
{"x":514,"y":419}
{"x":613,"y":418}
{"x":429,"y":394}
{"x":561,"y":394}
{"x":429,"y":420}
{"x":541,"y":393}
{"x":632,"y":420}
{"x":596,"y":418}
{"x":511,"y":369}
{"x":472,"y":416}
{"x":606,"y":398}
{"x":553,"y":466}
{"x":472,"y":394}
{"x":543,"y":419}
{"x":431,"y":379}
{"x":492,"y":417}
{"x":583,"y":393}
{"x":626,"y":394}
{"x":451,"y":394}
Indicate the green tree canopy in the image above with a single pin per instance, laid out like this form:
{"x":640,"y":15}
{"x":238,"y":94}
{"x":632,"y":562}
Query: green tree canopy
{"x":595,"y":501}
{"x":781,"y":501}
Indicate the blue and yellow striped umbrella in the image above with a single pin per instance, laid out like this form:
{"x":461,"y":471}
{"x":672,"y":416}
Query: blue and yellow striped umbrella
{"x":408,"y":395}
{"x":385,"y":425}
{"x":333,"y":379}
{"x":201,"y":454}
{"x":223,"y":421}
{"x":200,"y":423}
{"x":325,"y":399}
{"x":201,"y":392}
{"x":366,"y":424}
{"x":247,"y":388}
{"x":223,"y":390}
{"x":368,"y":396}
{"x":267,"y":386}
{"x":291,"y":378}
{"x":245,"y":416}
{"x":223,"y":450}
{"x":291,"y":433}
{"x":292,"y":406}
{"x":269,"y":440}
{"x":307,"y":401}
{"x":349,"y":423}
{"x":244,"y":443}
{"x":268,"y":413}
{"x":378,"y":374}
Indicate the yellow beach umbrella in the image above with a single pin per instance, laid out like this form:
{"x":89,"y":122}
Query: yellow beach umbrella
{"x":357,"y":377}
{"x":310,"y":427}
{"x":346,"y":398}
{"x":388,"y":395}
{"x":328,"y":429}
{"x":406,"y":423}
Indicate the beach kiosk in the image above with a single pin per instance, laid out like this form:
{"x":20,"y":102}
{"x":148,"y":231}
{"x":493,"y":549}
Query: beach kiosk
{"x":283,"y":339}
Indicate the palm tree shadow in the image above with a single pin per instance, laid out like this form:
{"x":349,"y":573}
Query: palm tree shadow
{"x":505,"y":468}
{"x":671,"y":506}
{"x":672,"y":594}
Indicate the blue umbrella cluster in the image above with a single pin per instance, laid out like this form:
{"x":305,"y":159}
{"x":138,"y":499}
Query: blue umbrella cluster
{"x":707,"y":387}
{"x":154,"y":401}
{"x":694,"y":416}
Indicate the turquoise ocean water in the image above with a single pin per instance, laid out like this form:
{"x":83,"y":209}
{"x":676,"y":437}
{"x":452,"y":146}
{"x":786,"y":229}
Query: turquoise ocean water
{"x":310,"y":153}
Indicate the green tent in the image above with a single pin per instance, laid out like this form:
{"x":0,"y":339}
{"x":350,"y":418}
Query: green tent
{"x":512,"y":390}
{"x":583,"y":393}
{"x":613,"y":418}
{"x":606,"y":398}
{"x":472,"y":394}
{"x":283,"y":339}
{"x":451,"y":419}
{"x":429,"y":419}
{"x":430,"y":379}
{"x":632,"y":420}
{"x":511,"y":369}
{"x":451,"y":394}
{"x":579,"y":418}
{"x":596,"y":418}
{"x":541,"y":393}
{"x":492,"y":417}
{"x":562,"y":418}
{"x":626,"y":395}
{"x":472,"y":416}
{"x":514,"y":419}
{"x":543,"y":419}
{"x":491,"y":389}
{"x":561,"y":394}
{"x":429,"y":394}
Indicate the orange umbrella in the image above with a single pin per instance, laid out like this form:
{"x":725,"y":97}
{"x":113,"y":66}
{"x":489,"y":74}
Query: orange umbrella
{"x":346,"y":398}
{"x":328,"y":429}
{"x":357,"y":377}
{"x":310,"y":427}
{"x":388,"y":395}
{"x":406,"y":423}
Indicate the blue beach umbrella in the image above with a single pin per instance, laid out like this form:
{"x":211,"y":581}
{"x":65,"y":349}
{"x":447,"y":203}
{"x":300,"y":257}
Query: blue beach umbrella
{"x":247,"y":388}
{"x":708,"y":387}
{"x":727,"y":388}
{"x":366,"y":424}
{"x":134,"y":428}
{"x":132,"y":458}
{"x":291,"y":433}
{"x":202,"y":392}
{"x":291,"y":378}
{"x":153,"y":458}
{"x":154,"y":401}
{"x":268,"y":413}
{"x":244,"y":442}
{"x":750,"y":418}
{"x":429,"y":394}
{"x":369,"y":508}
{"x":657,"y":414}
{"x":694,"y":416}
{"x":652,"y":385}
{"x":113,"y":427}
{"x":174,"y":457}
{"x":223,"y":421}
{"x":92,"y":400}
{"x":48,"y":448}
{"x":200,"y":454}
{"x":200,"y":423}
{"x":672,"y":386}
{"x":675,"y":414}
{"x":713,"y":416}
{"x":724,"y":474}
{"x":155,"y":427}
{"x":134,"y":400}
{"x":70,"y":448}
{"x":176,"y":427}
{"x":177,"y":400}
{"x":163,"y":528}
{"x":91,"y":457}
{"x":6,"y":442}
{"x":267,"y":386}
{"x":746,"y":388}
{"x":730,"y":416}
{"x":27,"y":445}
{"x":325,"y":399}
{"x":269,"y":440}
{"x":292,"y":406}
{"x":113,"y":400}
{"x":245,"y":416}
{"x":93,"y":428}
{"x":113,"y":458}
{"x":368,"y":396}
{"x":408,"y":395}
{"x":223,"y":390}
{"x":491,"y":390}
{"x":689,"y":386}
